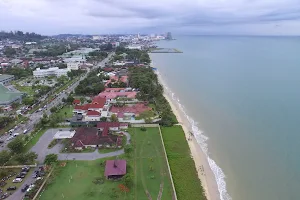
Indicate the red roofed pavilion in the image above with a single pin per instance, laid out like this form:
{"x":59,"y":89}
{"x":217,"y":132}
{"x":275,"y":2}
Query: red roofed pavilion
{"x":115,"y":169}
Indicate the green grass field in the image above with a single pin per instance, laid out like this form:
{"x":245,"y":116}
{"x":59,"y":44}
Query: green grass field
{"x":147,"y":164}
{"x":75,"y":181}
{"x":150,"y":166}
{"x":26,"y":89}
{"x":184,"y":173}
{"x":68,"y":109}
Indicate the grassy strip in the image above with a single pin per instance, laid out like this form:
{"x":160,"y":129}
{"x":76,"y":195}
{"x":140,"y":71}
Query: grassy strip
{"x":34,"y":138}
{"x":186,"y":181}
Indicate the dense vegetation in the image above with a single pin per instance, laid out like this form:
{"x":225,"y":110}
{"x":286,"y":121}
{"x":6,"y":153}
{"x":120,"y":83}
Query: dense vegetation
{"x":19,"y":35}
{"x":151,"y":90}
{"x":91,"y":85}
{"x":184,"y":173}
{"x":56,"y":50}
{"x":4,"y":121}
{"x":17,"y":72}
{"x":132,"y":54}
{"x":96,"y":55}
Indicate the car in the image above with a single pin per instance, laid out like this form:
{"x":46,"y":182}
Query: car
{"x":16,"y":134}
{"x":10,"y":138}
{"x":11,"y":188}
{"x":25,"y":169}
{"x":20,"y":176}
{"x":1,"y":141}
{"x":17,"y":180}
{"x":25,"y":188}
{"x":25,"y":131}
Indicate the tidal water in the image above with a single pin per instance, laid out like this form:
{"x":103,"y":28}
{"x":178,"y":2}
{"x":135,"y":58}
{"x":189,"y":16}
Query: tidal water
{"x":244,"y":95}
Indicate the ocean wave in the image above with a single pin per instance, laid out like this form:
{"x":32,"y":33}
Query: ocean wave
{"x":201,"y":140}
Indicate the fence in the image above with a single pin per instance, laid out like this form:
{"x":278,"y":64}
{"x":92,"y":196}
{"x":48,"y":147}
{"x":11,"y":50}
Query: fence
{"x":17,"y":166}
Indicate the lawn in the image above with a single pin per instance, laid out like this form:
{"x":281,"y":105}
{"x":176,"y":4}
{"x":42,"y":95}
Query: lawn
{"x":150,"y":166}
{"x":75,"y":181}
{"x":147,"y":162}
{"x":184,"y":173}
{"x":66,"y":112}
{"x":26,"y":89}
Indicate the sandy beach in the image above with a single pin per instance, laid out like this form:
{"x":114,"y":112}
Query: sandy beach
{"x":205,"y":174}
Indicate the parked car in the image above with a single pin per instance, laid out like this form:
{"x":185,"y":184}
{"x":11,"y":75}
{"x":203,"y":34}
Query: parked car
{"x":1,"y":141}
{"x":20,"y":176}
{"x":11,"y":188}
{"x":17,"y":180}
{"x":25,"y":188}
{"x":25,"y":169}
{"x":25,"y":131}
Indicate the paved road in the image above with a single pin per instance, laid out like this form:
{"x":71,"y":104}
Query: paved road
{"x":35,"y":117}
{"x":41,"y":148}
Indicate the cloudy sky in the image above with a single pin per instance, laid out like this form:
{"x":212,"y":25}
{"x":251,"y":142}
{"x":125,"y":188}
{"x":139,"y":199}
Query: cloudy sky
{"x":249,"y":17}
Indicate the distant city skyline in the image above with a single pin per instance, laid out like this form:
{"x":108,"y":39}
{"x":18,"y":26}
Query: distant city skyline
{"x":214,"y":17}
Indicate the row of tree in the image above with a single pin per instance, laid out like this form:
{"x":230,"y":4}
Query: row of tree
{"x":17,"y":72}
{"x":20,"y":35}
{"x":152,"y":91}
{"x":133,"y":54}
{"x":91,"y":85}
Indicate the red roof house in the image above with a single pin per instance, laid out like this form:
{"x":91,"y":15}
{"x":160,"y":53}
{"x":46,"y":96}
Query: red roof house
{"x":115,"y":169}
{"x":76,"y":102}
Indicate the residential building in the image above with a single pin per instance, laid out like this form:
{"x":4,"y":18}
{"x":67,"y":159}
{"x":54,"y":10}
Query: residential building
{"x":92,"y":116}
{"x":129,"y":111}
{"x":113,"y":93}
{"x":115,"y":169}
{"x":52,"y":71}
{"x":98,"y":137}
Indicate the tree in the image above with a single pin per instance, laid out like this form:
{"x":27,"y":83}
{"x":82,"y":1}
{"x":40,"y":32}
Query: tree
{"x":128,"y":180}
{"x":9,"y":52}
{"x":28,"y":100}
{"x":4,"y":156}
{"x":113,"y":118}
{"x":51,"y":159}
{"x":70,"y":99}
{"x":17,"y":145}
{"x":14,"y":105}
{"x":103,"y":119}
{"x":53,"y":109}
{"x":82,"y":100}
{"x":128,"y":149}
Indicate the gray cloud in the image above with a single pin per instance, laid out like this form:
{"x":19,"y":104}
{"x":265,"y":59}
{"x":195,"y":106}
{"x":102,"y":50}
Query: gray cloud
{"x":123,"y":16}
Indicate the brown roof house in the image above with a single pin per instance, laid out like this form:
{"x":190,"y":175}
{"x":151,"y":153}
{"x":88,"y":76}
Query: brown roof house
{"x":98,"y":137}
{"x":115,"y":169}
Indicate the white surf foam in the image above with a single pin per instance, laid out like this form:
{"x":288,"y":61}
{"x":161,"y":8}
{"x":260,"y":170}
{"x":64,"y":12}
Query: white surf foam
{"x":201,"y":140}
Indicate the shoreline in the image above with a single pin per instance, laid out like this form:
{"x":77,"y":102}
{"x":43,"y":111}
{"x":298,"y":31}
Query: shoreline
{"x":206,"y":175}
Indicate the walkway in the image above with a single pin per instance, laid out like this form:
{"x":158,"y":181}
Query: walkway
{"x":41,"y":148}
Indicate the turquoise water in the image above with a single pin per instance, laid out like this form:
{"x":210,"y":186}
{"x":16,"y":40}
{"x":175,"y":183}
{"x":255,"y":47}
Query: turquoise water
{"x":244,"y":93}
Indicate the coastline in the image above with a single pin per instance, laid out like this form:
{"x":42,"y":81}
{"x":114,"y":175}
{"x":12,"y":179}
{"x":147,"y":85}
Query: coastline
{"x":206,"y":176}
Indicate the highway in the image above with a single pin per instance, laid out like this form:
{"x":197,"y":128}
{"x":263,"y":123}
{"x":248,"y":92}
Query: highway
{"x":35,"y":117}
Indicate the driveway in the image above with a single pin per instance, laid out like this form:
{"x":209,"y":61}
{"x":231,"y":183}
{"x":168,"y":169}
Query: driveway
{"x":41,"y":148}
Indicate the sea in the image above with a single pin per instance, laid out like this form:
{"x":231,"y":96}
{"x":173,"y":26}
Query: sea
{"x":242,"y":95}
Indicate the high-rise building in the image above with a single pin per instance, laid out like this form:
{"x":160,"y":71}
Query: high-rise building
{"x":169,"y":36}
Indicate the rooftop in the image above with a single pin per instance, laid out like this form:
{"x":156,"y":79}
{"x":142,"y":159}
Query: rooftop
{"x":115,"y":168}
{"x":64,"y":134}
{"x":5,"y":76}
{"x":6,"y":95}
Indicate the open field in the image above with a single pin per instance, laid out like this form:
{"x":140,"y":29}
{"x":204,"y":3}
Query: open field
{"x":66,"y":112}
{"x":26,"y":89}
{"x":150,"y":166}
{"x":186,"y":181}
{"x":75,"y":181}
{"x":146,"y":163}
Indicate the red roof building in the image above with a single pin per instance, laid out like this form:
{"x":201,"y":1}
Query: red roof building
{"x":93,"y":113}
{"x":91,"y":137}
{"x":115,"y":169}
{"x":76,"y":102}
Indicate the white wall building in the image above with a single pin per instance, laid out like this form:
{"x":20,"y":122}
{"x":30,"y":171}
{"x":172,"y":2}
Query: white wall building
{"x":134,"y":47}
{"x":52,"y":71}
{"x":73,"y":65}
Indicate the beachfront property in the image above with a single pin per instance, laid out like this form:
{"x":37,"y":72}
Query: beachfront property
{"x":52,"y":71}
{"x":128,"y":112}
{"x":6,"y":79}
{"x":100,"y":136}
{"x":110,"y":94}
{"x":114,"y":79}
